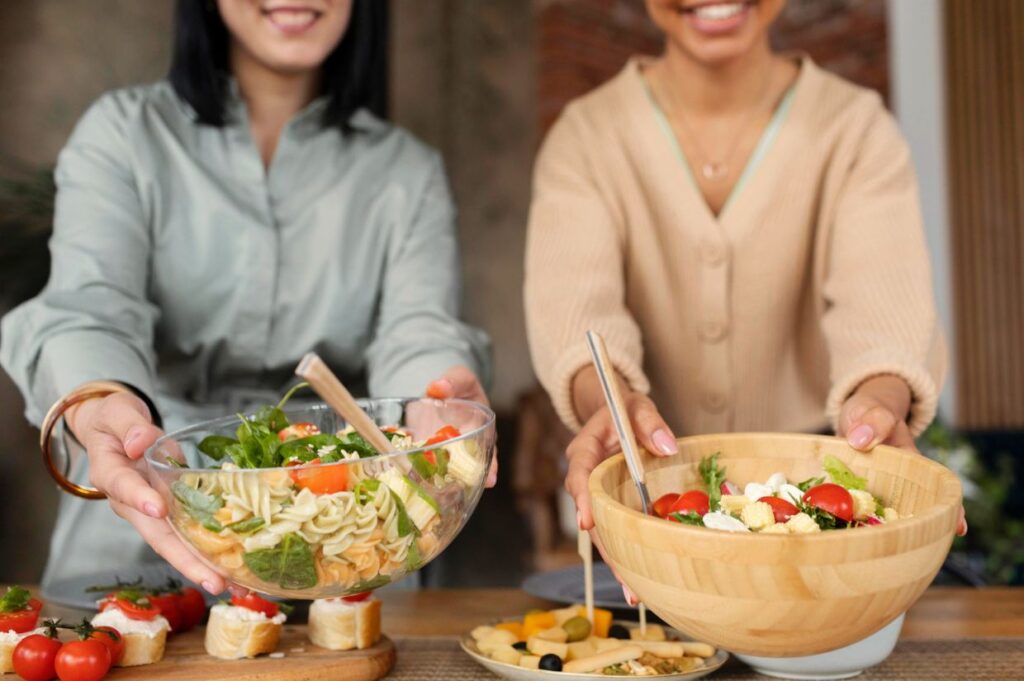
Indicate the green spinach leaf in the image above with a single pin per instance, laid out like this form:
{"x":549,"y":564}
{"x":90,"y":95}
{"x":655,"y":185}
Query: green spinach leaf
{"x":248,"y":525}
{"x":216,"y":446}
{"x":371,"y":584}
{"x":199,"y":505}
{"x":289,"y":564}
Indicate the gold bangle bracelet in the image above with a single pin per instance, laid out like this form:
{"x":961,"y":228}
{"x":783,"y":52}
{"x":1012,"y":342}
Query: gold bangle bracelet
{"x":88,"y":391}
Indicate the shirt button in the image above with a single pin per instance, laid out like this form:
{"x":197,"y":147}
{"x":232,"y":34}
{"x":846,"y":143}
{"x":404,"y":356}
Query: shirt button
{"x":713,"y":331}
{"x":712,"y":253}
{"x":714,"y":401}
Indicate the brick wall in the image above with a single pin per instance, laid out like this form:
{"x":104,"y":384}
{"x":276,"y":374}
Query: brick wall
{"x":582,"y":43}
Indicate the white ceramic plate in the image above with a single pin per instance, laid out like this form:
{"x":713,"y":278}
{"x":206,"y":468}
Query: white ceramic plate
{"x":514,"y":673}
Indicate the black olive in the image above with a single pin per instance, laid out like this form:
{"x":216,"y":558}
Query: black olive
{"x":551,"y":663}
{"x":519,"y":645}
{"x":618,"y":631}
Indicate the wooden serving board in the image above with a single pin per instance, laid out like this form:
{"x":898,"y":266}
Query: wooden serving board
{"x":186,"y":659}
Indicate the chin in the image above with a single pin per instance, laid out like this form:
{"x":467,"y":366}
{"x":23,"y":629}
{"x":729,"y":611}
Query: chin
{"x":293,"y":59}
{"x":714,"y":32}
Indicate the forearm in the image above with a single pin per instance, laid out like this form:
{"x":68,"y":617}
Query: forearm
{"x":587,"y":393}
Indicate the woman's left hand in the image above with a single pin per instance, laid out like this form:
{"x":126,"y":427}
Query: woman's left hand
{"x":461,"y":383}
{"x":876,"y":414}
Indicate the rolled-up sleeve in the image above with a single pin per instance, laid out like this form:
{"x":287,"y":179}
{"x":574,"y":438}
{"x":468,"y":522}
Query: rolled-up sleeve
{"x":418,"y":335}
{"x":575,"y":272}
{"x":93,"y":320}
{"x":880,"y":315}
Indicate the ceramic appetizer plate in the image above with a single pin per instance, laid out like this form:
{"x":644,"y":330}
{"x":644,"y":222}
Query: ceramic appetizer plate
{"x":566,"y":586}
{"x":514,"y":673}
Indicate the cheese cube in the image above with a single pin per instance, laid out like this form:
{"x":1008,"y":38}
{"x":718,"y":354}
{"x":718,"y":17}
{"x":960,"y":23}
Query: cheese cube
{"x":757,"y":515}
{"x":506,"y":654}
{"x":734,"y":503}
{"x":563,"y":615}
{"x":863,"y":504}
{"x":654,"y":632}
{"x":556,"y":634}
{"x":540,"y":647}
{"x":802,"y":523}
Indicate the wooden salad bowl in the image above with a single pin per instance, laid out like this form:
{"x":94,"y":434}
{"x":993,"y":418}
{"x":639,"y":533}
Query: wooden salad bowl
{"x":778,"y":595}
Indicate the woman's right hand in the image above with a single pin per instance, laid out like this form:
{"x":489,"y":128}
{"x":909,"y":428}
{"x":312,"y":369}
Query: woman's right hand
{"x":597,"y":441}
{"x":115,"y":431}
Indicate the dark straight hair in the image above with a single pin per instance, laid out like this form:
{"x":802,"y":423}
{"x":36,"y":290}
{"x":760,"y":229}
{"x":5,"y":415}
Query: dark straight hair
{"x":354,"y":74}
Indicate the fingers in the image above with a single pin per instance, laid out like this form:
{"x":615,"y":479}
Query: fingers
{"x":627,"y":593}
{"x":458,"y":382}
{"x":869,"y":423}
{"x":159,"y":535}
{"x":584,"y":453}
{"x":117,"y":476}
{"x":127,"y":418}
{"x":651,"y":430}
{"x":492,"y":474}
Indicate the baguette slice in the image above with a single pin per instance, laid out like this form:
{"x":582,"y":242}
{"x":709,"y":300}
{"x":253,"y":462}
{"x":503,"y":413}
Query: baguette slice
{"x":140,"y":649}
{"x":144,"y":640}
{"x":230,"y":637}
{"x":6,"y":655}
{"x":335,"y":624}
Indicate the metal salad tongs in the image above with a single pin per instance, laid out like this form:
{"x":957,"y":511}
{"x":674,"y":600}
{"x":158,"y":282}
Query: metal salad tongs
{"x":620,"y":416}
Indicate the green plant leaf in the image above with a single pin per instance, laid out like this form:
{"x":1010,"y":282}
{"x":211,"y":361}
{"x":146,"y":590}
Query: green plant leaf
{"x":199,"y":505}
{"x":216,"y":446}
{"x":15,"y":599}
{"x":691,"y":518}
{"x":248,"y":525}
{"x":289,"y":564}
{"x":842,"y":475}
{"x":713,"y":476}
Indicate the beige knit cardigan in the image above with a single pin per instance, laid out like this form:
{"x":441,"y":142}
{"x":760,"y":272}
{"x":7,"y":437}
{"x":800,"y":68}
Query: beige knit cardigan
{"x":764,"y":318}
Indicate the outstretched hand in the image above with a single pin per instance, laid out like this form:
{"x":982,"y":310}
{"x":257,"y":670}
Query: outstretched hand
{"x":460,"y":382}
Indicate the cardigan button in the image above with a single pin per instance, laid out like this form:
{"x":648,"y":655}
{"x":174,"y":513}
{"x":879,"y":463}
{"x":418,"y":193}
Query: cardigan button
{"x":712,"y":253}
{"x":714,"y":401}
{"x":713,"y":331}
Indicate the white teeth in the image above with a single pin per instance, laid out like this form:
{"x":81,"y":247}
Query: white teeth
{"x":293,"y":17}
{"x":719,"y":12}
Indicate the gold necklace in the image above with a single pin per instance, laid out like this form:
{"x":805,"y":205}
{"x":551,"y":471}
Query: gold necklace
{"x":710,"y":169}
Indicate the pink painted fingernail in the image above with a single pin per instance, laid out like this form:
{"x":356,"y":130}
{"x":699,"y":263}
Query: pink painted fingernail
{"x":209,"y":587}
{"x":664,"y":442}
{"x":150,"y":509}
{"x":628,"y":595}
{"x":861,"y":436}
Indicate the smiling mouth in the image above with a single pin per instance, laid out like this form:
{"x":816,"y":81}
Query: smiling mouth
{"x":717,"y":11}
{"x":291,"y":19}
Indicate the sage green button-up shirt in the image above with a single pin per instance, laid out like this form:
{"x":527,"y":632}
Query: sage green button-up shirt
{"x":184,"y":267}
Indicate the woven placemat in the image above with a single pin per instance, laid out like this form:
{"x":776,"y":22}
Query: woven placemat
{"x":995,"y":659}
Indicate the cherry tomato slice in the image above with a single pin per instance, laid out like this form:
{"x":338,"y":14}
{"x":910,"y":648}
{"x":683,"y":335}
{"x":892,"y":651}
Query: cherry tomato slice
{"x":297,"y":431}
{"x":831,"y":498}
{"x":662,"y":505}
{"x":356,"y":598}
{"x":34,"y":657}
{"x":253,"y":601}
{"x":693,"y":501}
{"x":22,"y":620}
{"x":87,"y":660}
{"x":168,"y":604}
{"x":320,"y":479}
{"x":192,"y":606}
{"x":782,"y":509}
{"x":113,"y":640}
{"x":141,"y":610}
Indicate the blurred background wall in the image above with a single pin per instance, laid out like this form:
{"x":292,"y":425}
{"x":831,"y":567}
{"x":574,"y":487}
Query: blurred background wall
{"x":481,"y":81}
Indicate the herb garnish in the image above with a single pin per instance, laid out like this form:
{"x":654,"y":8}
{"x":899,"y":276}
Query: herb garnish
{"x":690,"y":518}
{"x":713,"y":476}
{"x":15,"y":600}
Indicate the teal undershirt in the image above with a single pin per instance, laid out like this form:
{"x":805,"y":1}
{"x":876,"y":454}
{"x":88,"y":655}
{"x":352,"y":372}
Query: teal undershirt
{"x":767,"y":137}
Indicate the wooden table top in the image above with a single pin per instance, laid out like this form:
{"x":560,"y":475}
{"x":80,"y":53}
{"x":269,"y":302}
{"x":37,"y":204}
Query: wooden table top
{"x":942,"y":613}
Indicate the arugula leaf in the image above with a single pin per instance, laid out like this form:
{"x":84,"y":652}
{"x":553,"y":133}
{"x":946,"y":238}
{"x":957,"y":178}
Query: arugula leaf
{"x":261,"y":445}
{"x":824,"y":519}
{"x":713,"y":476}
{"x":691,"y":518}
{"x":809,"y":483}
{"x":289,"y":564}
{"x":306,"y":448}
{"x":841,"y":475}
{"x":354,"y":442}
{"x":15,"y":600}
{"x":215,"y":446}
{"x":199,"y":505}
{"x":248,"y":525}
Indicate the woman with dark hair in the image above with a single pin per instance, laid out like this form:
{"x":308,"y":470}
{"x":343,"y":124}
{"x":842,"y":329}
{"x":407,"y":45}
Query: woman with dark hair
{"x":212,"y":228}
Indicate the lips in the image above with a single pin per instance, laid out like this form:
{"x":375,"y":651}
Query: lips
{"x":291,"y":18}
{"x":716,"y":18}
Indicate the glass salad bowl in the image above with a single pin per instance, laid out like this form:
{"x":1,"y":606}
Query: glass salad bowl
{"x":778,"y":595}
{"x":293,"y":503}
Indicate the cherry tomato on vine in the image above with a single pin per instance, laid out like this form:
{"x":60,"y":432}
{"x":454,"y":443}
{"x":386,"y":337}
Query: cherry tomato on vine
{"x":34,"y":657}
{"x":87,"y":660}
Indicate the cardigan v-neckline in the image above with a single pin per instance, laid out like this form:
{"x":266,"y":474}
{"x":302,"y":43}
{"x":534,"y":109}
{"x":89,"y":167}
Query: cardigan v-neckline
{"x":772,"y":137}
